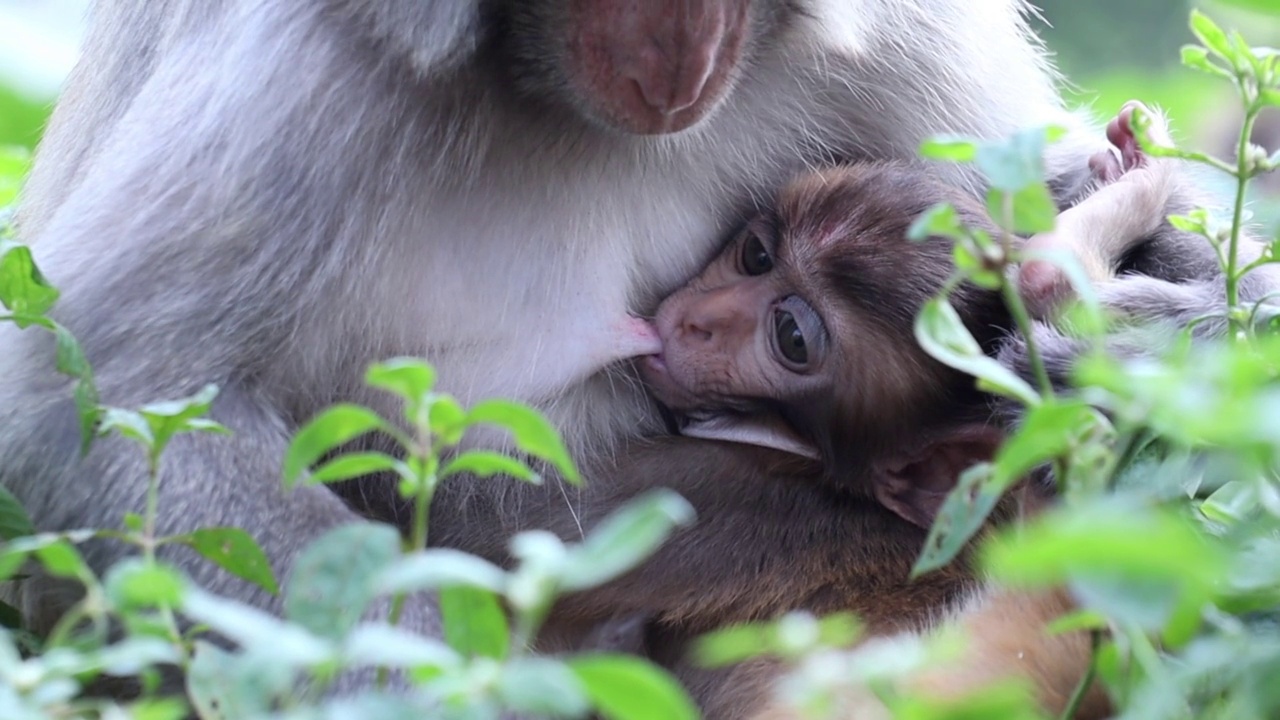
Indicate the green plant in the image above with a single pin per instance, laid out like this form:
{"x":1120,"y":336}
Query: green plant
{"x":280,"y":667}
{"x":1167,"y":532}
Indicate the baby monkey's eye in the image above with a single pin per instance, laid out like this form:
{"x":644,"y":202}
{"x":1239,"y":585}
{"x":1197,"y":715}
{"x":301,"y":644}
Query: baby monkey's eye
{"x":755,"y":258}
{"x":790,"y":338}
{"x":799,"y":339}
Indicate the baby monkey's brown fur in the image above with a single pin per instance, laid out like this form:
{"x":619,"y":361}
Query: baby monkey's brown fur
{"x":859,"y":447}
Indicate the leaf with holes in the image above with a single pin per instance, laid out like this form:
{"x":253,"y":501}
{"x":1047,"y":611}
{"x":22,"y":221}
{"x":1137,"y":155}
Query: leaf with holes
{"x":235,"y":551}
{"x":333,"y":578}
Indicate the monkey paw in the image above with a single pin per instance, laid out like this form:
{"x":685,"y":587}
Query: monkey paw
{"x":1125,"y":154}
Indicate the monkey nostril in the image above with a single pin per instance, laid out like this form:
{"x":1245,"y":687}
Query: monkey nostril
{"x":652,"y":96}
{"x":697,"y":331}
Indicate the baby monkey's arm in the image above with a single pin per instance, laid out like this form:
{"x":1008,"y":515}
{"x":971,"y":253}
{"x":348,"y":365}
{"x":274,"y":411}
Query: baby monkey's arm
{"x":1129,"y":207}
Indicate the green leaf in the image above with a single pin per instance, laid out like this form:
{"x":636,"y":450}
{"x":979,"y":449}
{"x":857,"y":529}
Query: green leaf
{"x":357,"y":464}
{"x":235,"y":551}
{"x":72,"y":362}
{"x":972,"y":268}
{"x":14,"y":553}
{"x":1075,"y":621}
{"x":70,"y":358}
{"x":1270,"y":7}
{"x":159,"y":708}
{"x":221,"y":686}
{"x":15,"y":161}
{"x":381,"y":645}
{"x":1189,"y":223}
{"x":962,"y":514}
{"x":531,"y":432}
{"x":942,"y":334}
{"x":1197,"y":58}
{"x":542,"y":687}
{"x":172,"y":417}
{"x":23,"y":289}
{"x":624,"y":538}
{"x":950,"y":148}
{"x":332,"y":580}
{"x":1016,"y":162}
{"x":437,"y":568}
{"x":1032,"y":209}
{"x":128,"y":424}
{"x":448,"y":420}
{"x":134,"y":583}
{"x":289,"y":645}
{"x":1048,"y":430}
{"x":1212,"y":37}
{"x":622,"y":687}
{"x":14,"y":521}
{"x":938,"y":221}
{"x":1113,"y":537}
{"x":410,"y":378}
{"x":734,"y":644}
{"x":331,"y":428}
{"x":154,"y":425}
{"x":61,"y":559}
{"x":131,"y":656}
{"x":486,"y":463}
{"x":474,"y":622}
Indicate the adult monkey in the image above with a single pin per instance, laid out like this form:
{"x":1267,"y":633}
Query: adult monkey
{"x":269,"y":195}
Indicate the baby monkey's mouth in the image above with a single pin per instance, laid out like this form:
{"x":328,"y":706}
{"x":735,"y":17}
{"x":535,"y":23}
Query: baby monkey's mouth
{"x":657,"y":378}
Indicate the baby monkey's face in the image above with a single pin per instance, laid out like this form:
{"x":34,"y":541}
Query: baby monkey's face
{"x":798,"y":335}
{"x":742,"y":335}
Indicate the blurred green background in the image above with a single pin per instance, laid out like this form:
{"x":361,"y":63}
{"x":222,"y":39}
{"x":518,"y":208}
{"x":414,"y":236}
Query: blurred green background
{"x":1111,"y":51}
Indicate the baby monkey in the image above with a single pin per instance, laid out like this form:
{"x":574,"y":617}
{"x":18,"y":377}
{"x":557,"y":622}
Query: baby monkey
{"x":818,"y":440}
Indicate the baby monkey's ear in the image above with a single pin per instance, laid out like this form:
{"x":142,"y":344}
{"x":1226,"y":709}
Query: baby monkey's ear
{"x":915,"y":485}
{"x":762,"y":429}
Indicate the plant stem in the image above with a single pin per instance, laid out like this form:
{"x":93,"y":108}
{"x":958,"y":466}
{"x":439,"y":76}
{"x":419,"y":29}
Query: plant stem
{"x":421,"y":514}
{"x":1077,"y":697}
{"x":1022,"y":319}
{"x":1242,"y":182}
{"x":1014,"y":301}
{"x":422,"y":510}
{"x":152,"y":512}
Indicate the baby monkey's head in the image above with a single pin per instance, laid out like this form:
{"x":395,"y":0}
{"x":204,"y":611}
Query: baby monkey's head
{"x":799,"y":335}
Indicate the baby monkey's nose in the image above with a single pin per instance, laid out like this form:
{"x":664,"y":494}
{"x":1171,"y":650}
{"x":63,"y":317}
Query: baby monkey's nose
{"x":716,"y":315}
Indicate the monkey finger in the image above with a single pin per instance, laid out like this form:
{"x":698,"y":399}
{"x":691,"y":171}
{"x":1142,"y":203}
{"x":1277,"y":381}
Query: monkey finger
{"x":1043,"y":287}
{"x":1106,"y":165}
{"x":1120,"y":134}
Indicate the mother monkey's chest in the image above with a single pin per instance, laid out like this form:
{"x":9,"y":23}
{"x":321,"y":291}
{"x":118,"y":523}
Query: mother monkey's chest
{"x":523,"y":266}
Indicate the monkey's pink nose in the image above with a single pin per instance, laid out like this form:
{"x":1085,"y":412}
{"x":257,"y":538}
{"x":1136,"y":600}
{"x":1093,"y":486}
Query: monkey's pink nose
{"x":673,"y":80}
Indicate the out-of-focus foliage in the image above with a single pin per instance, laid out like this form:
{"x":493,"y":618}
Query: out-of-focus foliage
{"x":21,"y":118}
